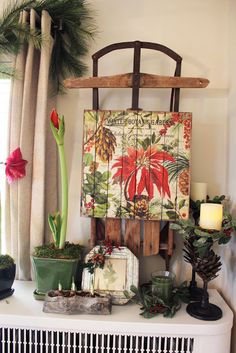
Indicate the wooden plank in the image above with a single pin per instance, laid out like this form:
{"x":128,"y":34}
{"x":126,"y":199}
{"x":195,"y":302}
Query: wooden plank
{"x":97,"y":231}
{"x":151,"y":238}
{"x":146,"y":81}
{"x":132,"y":235}
{"x":93,"y":229}
{"x":170,"y":241}
{"x":113,"y":229}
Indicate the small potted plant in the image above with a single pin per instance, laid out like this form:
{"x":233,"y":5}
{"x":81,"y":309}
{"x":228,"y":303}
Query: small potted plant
{"x":58,"y":261}
{"x":7,"y":275}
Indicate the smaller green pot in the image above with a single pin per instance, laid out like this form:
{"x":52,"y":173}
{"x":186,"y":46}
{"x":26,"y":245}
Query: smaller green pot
{"x":49,"y":272}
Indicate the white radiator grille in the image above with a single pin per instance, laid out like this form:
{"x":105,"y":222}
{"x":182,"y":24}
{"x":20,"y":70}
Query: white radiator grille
{"x":17,"y":340}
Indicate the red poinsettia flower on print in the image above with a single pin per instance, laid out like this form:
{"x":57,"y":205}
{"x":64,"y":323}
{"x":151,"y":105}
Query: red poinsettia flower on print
{"x":141,"y":170}
{"x":15,"y":166}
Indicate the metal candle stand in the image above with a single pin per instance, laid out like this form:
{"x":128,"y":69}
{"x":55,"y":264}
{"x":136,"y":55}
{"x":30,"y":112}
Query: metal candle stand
{"x":204,"y":310}
{"x":207,"y":268}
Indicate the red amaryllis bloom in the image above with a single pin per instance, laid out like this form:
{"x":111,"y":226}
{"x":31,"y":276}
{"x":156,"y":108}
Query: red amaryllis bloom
{"x":15,"y":166}
{"x":55,"y":119}
{"x":140,"y":170}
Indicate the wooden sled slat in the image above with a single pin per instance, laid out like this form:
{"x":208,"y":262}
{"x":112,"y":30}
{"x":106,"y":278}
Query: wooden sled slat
{"x":113,"y":229}
{"x":146,"y":81}
{"x":93,"y":232}
{"x":170,"y":241}
{"x":132,"y":235}
{"x":151,"y":238}
{"x":97,"y":232}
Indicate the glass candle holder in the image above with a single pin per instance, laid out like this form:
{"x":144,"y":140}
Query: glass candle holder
{"x":162,"y":284}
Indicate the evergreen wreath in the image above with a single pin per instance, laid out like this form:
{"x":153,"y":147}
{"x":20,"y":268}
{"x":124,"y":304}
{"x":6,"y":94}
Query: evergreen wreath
{"x":72,"y":28}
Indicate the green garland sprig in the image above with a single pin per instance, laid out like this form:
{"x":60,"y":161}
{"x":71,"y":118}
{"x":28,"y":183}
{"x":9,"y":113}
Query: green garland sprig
{"x":98,"y":258}
{"x":152,"y":305}
{"x":73,"y":28}
{"x":203,"y":238}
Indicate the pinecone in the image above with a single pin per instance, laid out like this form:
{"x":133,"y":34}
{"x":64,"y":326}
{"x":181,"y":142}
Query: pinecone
{"x":105,"y":143}
{"x":190,"y":254}
{"x":184,"y":182}
{"x":206,"y":266}
{"x":139,"y":206}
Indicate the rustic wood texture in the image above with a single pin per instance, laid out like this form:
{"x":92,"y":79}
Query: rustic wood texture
{"x":132,"y":235}
{"x":170,"y":241}
{"x":93,"y":233}
{"x":151,"y":238}
{"x":146,"y":81}
{"x":113,"y":229}
{"x":100,"y":305}
{"x":97,"y":231}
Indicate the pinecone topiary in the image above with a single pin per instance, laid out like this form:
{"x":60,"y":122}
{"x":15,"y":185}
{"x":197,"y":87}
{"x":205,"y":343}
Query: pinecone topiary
{"x":105,"y":143}
{"x":206,"y":266}
{"x":190,"y":253}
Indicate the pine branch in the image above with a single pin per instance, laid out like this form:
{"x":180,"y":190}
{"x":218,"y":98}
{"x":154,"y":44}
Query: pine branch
{"x":72,"y":27}
{"x":6,"y":71}
{"x":11,"y":32}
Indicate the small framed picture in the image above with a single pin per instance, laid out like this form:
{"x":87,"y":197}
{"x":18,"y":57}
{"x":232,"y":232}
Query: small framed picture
{"x":120,"y":271}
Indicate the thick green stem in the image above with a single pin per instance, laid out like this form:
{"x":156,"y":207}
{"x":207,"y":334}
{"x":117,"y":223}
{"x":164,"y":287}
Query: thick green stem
{"x":64,"y":195}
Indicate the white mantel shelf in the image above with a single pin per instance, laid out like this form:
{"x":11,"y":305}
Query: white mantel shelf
{"x":22,"y":310}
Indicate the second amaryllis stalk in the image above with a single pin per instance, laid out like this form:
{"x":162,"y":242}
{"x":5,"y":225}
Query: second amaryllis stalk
{"x":64,"y":195}
{"x":58,"y":222}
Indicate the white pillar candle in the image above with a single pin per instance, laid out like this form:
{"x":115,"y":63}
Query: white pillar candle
{"x":198,"y":191}
{"x":211,"y":215}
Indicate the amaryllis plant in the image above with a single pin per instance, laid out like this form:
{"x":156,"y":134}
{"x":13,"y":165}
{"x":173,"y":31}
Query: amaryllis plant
{"x":15,"y":166}
{"x":58,"y":221}
{"x":141,"y":169}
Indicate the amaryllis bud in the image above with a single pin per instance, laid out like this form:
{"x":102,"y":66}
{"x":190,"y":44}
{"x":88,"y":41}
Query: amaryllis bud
{"x":55,"y":119}
{"x":15,"y":166}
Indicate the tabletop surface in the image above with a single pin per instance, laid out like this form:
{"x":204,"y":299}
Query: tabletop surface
{"x":22,"y":310}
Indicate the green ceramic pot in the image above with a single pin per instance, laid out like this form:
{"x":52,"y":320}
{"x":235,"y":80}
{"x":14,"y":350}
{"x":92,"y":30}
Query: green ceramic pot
{"x":49,"y":272}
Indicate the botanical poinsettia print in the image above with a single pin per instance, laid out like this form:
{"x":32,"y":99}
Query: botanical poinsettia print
{"x":136,"y":164}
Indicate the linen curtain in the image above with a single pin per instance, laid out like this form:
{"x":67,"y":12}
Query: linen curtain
{"x":29,"y":200}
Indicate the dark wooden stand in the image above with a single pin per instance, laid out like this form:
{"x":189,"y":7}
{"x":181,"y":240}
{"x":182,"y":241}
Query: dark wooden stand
{"x":157,"y":237}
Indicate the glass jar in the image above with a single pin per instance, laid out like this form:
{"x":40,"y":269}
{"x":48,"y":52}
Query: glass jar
{"x":162,"y":284}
